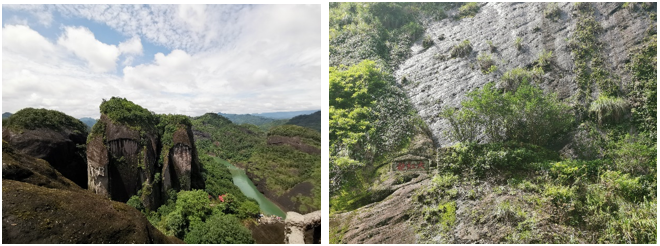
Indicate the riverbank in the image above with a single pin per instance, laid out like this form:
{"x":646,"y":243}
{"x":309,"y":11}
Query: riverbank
{"x":286,"y":200}
{"x":245,"y":184}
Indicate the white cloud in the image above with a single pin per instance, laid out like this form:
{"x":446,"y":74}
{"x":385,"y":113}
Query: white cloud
{"x":81,"y":41}
{"x":132,"y":46}
{"x":22,"y":39}
{"x":234,"y":59}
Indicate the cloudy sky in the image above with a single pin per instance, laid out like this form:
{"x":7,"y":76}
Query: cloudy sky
{"x":187,"y":59}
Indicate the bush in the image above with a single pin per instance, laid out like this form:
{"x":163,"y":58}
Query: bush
{"x":427,"y":42}
{"x":552,"y":11}
{"x":485,"y":62}
{"x":135,"y":202}
{"x":468,"y":10}
{"x":219,"y":229}
{"x":526,"y":116}
{"x":479,"y":158}
{"x":608,"y":108}
{"x":518,"y":43}
{"x":461,"y":50}
{"x":513,"y":78}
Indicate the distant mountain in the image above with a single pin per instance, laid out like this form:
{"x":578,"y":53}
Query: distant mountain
{"x":312,"y":121}
{"x":247,"y":118}
{"x":88,"y":121}
{"x":285,"y":115}
{"x":5,"y":115}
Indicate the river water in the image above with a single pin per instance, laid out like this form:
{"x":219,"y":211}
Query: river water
{"x":247,"y":187}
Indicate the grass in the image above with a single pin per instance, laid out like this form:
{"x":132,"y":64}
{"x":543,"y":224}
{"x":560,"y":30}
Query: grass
{"x":462,"y":49}
{"x":468,"y":10}
{"x":491,"y":46}
{"x":486,"y":63}
{"x":427,"y":42}
{"x":552,"y":11}
{"x":544,"y":59}
{"x":518,"y":43}
{"x":608,"y":108}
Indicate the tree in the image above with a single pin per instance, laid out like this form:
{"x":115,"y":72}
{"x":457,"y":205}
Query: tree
{"x":219,"y":229}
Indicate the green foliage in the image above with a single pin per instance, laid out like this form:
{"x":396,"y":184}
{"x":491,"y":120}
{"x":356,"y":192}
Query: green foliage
{"x":544,"y":59}
{"x":607,"y":108}
{"x":312,"y":121}
{"x":218,"y":181}
{"x":381,"y":32}
{"x":227,"y":140}
{"x":518,"y":43}
{"x":135,"y":202}
{"x":462,"y":49}
{"x":491,"y":46}
{"x":219,"y":229}
{"x":635,"y":155}
{"x":31,"y":118}
{"x":170,"y":123}
{"x":479,"y":158}
{"x":308,"y":136}
{"x":513,"y":78}
{"x":126,"y":112}
{"x":527,"y":116}
{"x":552,"y":11}
{"x":427,"y":42}
{"x":486,"y":63}
{"x":643,"y":91}
{"x":468,"y":10}
{"x":292,"y":167}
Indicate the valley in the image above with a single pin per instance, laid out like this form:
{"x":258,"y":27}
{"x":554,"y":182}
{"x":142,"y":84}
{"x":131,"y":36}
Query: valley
{"x":177,"y":171}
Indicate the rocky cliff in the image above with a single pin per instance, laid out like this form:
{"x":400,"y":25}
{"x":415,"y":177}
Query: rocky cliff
{"x":53,"y":136}
{"x":41,"y":206}
{"x":127,"y":157}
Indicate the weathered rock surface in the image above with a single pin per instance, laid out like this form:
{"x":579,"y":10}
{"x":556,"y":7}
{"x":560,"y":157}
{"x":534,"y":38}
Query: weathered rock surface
{"x":39,"y":205}
{"x":436,"y":83}
{"x":57,"y":147}
{"x":296,"y":225}
{"x":25,"y":168}
{"x":119,"y":166}
{"x":382,"y":222}
{"x":35,"y":214}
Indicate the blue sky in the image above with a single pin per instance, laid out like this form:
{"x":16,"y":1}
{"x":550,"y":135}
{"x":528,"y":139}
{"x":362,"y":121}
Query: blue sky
{"x":184,"y":59}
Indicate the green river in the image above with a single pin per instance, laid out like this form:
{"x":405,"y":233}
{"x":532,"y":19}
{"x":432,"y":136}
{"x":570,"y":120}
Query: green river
{"x":247,"y":187}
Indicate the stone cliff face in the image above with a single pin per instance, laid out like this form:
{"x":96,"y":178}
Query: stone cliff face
{"x":181,"y":169}
{"x":123,"y":162}
{"x":120,"y":161}
{"x":435,"y":81}
{"x":57,"y":147}
{"x":40,"y":205}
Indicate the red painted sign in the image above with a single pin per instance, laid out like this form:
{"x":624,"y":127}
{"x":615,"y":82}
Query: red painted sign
{"x":410,"y":165}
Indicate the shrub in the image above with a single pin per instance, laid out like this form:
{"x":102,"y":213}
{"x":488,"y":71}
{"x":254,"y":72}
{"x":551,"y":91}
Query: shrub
{"x":544,"y":59}
{"x":491,"y":46}
{"x":461,"y":50}
{"x":427,"y":42}
{"x":518,"y":43}
{"x":486,"y":63}
{"x":552,"y":11}
{"x":135,"y":202}
{"x":468,"y":10}
{"x":527,"y":116}
{"x":608,"y":108}
{"x":513,"y":78}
